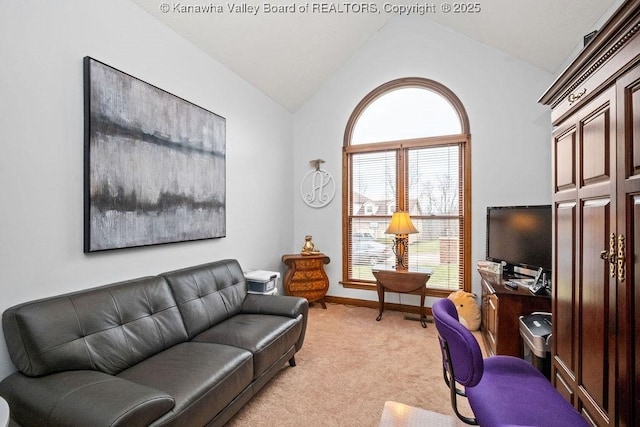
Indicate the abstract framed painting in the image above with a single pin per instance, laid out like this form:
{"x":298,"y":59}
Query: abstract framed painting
{"x":154,"y":164}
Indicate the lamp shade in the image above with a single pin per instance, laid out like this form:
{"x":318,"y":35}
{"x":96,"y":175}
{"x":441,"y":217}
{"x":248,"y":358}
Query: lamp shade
{"x":401,"y":224}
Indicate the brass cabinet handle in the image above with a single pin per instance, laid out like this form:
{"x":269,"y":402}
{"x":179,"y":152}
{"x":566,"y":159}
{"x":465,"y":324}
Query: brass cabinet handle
{"x":615,"y":256}
{"x":621,"y":258}
{"x":610,"y":255}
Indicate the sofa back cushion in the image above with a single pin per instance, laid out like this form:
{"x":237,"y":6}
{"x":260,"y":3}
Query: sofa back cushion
{"x":107,"y":329}
{"x":207,"y":294}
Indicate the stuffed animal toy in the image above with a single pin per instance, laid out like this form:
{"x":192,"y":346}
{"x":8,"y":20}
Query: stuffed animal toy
{"x":468,"y":309}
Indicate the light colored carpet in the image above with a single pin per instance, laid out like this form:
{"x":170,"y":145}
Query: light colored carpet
{"x":348,"y":367}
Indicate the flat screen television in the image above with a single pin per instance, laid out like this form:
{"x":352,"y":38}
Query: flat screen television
{"x":519,"y":237}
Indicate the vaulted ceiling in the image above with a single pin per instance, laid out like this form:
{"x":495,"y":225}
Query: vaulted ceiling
{"x":289,"y":53}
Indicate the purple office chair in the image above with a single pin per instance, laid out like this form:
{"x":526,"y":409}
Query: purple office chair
{"x":501,"y":390}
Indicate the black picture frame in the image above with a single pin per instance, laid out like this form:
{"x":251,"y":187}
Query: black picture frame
{"x":154,"y":164}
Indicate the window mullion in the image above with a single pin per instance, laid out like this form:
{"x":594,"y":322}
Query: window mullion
{"x":401,"y":180}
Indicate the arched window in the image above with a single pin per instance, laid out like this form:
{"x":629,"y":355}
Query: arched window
{"x":407,"y":147}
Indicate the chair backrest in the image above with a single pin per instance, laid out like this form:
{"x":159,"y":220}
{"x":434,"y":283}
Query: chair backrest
{"x":463,"y":350}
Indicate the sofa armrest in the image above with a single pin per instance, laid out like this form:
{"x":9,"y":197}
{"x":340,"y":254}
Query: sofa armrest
{"x":82,"y":398}
{"x":279,"y":305}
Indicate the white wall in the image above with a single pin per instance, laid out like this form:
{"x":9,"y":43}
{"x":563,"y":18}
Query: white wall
{"x":511,"y":161}
{"x":596,"y":26}
{"x":42,"y":44}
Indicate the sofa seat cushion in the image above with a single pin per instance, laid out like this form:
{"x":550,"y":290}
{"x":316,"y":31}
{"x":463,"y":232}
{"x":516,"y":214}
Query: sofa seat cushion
{"x":500,"y":399}
{"x":203,"y":378}
{"x":267,"y":337}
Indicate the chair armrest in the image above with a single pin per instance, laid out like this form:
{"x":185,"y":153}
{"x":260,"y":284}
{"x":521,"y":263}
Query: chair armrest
{"x":82,"y":398}
{"x":279,"y":305}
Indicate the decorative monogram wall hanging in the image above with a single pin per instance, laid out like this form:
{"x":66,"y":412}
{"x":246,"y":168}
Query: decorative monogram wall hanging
{"x":318,"y":187}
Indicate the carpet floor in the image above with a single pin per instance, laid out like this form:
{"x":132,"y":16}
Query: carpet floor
{"x":348,"y":367}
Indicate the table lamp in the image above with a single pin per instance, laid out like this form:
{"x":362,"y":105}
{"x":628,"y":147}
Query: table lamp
{"x":401,"y":226}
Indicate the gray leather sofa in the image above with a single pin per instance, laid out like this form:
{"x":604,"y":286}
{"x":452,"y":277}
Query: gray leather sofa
{"x":187,"y":347}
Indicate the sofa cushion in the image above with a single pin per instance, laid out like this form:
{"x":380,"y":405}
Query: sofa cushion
{"x":106,"y":329}
{"x":203,"y":378}
{"x":207,"y":294}
{"x":267,"y":337}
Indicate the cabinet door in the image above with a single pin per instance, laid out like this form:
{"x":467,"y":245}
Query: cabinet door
{"x":489,"y":309}
{"x":564,"y":294}
{"x":628,"y":239}
{"x":585,"y":293}
{"x":492,"y":323}
{"x":597,"y":304}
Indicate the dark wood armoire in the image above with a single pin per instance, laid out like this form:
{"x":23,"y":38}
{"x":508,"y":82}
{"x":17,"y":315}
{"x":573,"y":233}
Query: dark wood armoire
{"x":596,"y":197}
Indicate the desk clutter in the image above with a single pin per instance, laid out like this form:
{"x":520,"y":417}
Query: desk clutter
{"x":489,"y":266}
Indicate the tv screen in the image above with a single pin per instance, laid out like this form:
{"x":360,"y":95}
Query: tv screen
{"x":520,"y":236}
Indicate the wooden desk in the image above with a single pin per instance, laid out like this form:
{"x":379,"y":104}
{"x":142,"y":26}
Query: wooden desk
{"x":404,"y":282}
{"x":501,"y":309}
{"x":306,"y":276}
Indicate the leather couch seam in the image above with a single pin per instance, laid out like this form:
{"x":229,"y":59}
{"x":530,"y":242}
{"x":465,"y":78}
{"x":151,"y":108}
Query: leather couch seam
{"x":109,"y":328}
{"x":84,"y":335}
{"x":82,"y":332}
{"x":130,"y":356}
{"x":153,"y":319}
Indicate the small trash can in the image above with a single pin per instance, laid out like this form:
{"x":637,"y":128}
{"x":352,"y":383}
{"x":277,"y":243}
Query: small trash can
{"x":535,"y":330}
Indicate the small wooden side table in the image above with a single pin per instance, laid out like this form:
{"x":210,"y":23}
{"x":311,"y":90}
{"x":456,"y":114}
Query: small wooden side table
{"x":405,"y":282}
{"x":306,"y":276}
